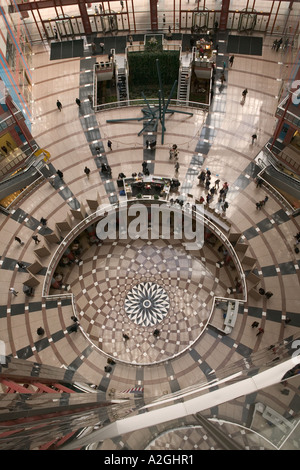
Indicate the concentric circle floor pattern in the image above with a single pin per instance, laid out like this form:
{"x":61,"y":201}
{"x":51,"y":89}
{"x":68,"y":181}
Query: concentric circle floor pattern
{"x":124,"y":275}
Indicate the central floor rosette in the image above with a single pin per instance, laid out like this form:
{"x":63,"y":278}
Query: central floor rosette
{"x":147,"y":304}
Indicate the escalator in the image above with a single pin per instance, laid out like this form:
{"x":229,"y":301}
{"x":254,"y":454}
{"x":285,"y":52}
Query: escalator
{"x":22,"y":178}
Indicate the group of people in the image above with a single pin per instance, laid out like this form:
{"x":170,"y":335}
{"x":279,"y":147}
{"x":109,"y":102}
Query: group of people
{"x":278,"y":43}
{"x":260,"y":204}
{"x":204,"y":178}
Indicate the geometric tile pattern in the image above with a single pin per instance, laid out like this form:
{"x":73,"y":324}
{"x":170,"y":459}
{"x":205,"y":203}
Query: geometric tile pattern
{"x":147,"y":304}
{"x":135,"y":286}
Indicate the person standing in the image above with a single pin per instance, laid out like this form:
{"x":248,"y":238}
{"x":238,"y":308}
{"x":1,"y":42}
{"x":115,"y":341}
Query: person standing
{"x":87,"y":171}
{"x":145,"y":166}
{"x":255,"y":324}
{"x":268,"y":294}
{"x":59,"y":105}
{"x":130,"y":40}
{"x":60,"y":174}
{"x":43,"y":221}
{"x":231,"y":60}
{"x":254,"y":137}
{"x":109,"y":144}
{"x":40,"y":331}
{"x":176,"y":166}
{"x":260,"y":331}
{"x":78,"y":102}
{"x":36,"y":239}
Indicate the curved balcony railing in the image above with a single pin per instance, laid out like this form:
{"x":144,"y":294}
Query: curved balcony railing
{"x":106,"y":210}
{"x":151,"y":101}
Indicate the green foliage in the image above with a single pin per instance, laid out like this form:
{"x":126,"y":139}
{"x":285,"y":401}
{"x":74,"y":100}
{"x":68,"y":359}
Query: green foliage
{"x":153,"y":44}
{"x":143,"y":75}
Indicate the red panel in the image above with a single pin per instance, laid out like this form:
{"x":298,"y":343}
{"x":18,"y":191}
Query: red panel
{"x":14,"y":387}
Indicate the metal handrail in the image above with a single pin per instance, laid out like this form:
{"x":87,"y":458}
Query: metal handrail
{"x":106,"y":209}
{"x":152,"y":101}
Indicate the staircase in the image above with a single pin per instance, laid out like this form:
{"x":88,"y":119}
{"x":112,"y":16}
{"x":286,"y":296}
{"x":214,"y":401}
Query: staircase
{"x":122,"y":91}
{"x":184,"y":84}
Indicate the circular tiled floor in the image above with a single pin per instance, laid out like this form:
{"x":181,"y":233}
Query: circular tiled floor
{"x":135,"y":287}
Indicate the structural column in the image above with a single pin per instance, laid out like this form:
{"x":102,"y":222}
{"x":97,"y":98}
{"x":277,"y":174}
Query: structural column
{"x":224,"y":15}
{"x":153,"y":15}
{"x":85,"y":17}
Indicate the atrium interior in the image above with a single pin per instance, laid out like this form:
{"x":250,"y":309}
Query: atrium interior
{"x":100,"y":329}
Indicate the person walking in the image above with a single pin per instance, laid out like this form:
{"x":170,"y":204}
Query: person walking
{"x":176,"y":166}
{"x":74,"y":327}
{"x":254,"y":137}
{"x":109,"y":144}
{"x":208,"y":198}
{"x":244,"y":93}
{"x":130,"y":39}
{"x":13,"y":291}
{"x":260,"y":331}
{"x":36,"y":239}
{"x":287,"y":321}
{"x":255,"y":324}
{"x":20,"y":265}
{"x":278,"y":44}
{"x":258,"y":205}
{"x":43,"y":221}
{"x":222,"y":78}
{"x":126,"y":337}
{"x":231,"y":60}
{"x":60,"y":174}
{"x":268,"y":294}
{"x":78,"y":102}
{"x":94,"y":48}
{"x":87,"y":171}
{"x":59,"y":105}
{"x":40,"y":331}
{"x":259,"y":182}
{"x":225,"y":206}
{"x":19,"y":241}
{"x":217,"y":183}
